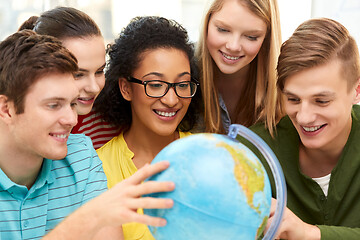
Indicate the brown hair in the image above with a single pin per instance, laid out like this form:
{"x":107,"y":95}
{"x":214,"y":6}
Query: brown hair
{"x":25,"y":57}
{"x":259,"y":99}
{"x":62,"y":23}
{"x":316,"y":42}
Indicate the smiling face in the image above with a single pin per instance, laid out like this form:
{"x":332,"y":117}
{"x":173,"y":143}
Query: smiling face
{"x":158,"y":115}
{"x":319,"y":102}
{"x":90,"y":80}
{"x":49,"y":115}
{"x":235,"y":36}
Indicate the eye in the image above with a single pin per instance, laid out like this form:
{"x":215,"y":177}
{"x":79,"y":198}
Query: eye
{"x":252,"y":38}
{"x":73,"y":104}
{"x":79,"y":75}
{"x":155,"y":85}
{"x":99,"y":72}
{"x":183,"y":85}
{"x":293,"y":100}
{"x":322,"y":101}
{"x":220,"y":29}
{"x":53,"y":106}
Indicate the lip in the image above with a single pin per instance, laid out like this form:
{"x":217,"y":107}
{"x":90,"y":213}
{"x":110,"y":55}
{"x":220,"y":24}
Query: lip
{"x":60,"y":136}
{"x":313,"y":132}
{"x":230,"y":61}
{"x":166,"y":115}
{"x":86,"y":100}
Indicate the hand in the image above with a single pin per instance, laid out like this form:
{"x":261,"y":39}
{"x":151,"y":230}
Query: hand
{"x":119,"y":204}
{"x":292,"y":227}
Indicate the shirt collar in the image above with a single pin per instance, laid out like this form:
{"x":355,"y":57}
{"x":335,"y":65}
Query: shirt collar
{"x":45,"y":175}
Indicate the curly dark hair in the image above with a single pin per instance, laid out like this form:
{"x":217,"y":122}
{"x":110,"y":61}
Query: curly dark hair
{"x":142,"y":34}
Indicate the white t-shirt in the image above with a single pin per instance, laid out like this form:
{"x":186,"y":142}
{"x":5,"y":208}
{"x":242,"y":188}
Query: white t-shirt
{"x":323,"y":183}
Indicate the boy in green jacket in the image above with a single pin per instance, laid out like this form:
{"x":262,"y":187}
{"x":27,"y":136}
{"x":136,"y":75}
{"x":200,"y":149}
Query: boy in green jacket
{"x":317,"y":143}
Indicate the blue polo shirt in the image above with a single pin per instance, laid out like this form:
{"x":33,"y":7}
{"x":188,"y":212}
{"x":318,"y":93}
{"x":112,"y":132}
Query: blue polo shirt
{"x":61,"y":187}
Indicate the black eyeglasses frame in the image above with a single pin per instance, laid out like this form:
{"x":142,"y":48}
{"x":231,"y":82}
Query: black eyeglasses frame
{"x":169,"y":85}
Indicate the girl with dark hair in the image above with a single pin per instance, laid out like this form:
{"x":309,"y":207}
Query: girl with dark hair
{"x":81,"y":35}
{"x":151,"y":94}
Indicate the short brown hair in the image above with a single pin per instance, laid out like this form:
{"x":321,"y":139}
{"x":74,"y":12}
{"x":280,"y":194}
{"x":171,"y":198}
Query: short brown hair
{"x":317,"y":42}
{"x":25,"y":57}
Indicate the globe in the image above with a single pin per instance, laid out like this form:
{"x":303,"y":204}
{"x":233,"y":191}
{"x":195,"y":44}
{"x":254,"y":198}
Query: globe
{"x":222,"y":190}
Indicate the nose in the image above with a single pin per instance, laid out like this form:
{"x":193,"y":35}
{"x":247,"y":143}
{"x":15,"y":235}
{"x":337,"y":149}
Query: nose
{"x":69,"y":117}
{"x":92,"y":85}
{"x":170,"y":99}
{"x":306,"y":114}
{"x":233,"y":43}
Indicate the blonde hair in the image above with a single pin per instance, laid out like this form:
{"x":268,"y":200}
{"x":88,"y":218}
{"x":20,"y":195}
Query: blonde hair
{"x":265,"y":104}
{"x":317,"y":42}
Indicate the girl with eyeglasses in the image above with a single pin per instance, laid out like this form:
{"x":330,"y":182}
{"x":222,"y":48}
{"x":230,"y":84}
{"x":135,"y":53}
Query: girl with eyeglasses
{"x":151,"y":93}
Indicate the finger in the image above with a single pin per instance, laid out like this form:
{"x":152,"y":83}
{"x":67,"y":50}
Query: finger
{"x":273,"y":207}
{"x":148,"y":220}
{"x":150,"y":203}
{"x":268,"y":224}
{"x":151,"y":187}
{"x":147,"y":171}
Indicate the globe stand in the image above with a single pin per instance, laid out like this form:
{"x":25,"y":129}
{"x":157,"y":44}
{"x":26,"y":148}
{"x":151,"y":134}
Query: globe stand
{"x":236,"y":129}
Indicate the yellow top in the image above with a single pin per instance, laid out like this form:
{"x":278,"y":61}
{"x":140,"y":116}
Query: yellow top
{"x":118,"y":165}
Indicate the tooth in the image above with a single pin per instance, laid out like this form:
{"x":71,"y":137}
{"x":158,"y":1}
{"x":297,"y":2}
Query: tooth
{"x":229,"y":57}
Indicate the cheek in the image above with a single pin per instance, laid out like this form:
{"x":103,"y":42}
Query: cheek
{"x":290,"y":109}
{"x":139,"y":100}
{"x":186,"y":103}
{"x":252,"y":48}
{"x":213,"y":39}
{"x":81,"y":84}
{"x":101,"y":82}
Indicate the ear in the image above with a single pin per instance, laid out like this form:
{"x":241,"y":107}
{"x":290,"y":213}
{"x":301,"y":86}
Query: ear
{"x":357,"y":88}
{"x":7,"y":109}
{"x":125,"y":89}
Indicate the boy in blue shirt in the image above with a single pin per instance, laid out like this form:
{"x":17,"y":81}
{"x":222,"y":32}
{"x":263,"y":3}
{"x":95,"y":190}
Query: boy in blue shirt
{"x":46,"y":173}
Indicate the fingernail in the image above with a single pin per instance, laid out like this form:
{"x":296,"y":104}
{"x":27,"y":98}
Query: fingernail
{"x":169,"y":202}
{"x":171,"y":185}
{"x":162,"y":222}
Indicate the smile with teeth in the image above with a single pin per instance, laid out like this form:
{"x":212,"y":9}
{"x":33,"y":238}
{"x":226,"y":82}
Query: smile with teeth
{"x":59,"y":135}
{"x":165,"y":114}
{"x":230,"y":57}
{"x":311,"y":129}
{"x":85,"y":98}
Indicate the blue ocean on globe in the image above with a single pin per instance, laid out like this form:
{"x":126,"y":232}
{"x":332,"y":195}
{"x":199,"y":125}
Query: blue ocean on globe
{"x":222,"y":190}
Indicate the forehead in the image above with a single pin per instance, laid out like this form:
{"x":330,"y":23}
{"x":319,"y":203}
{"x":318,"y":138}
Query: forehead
{"x":237,"y":15}
{"x":52,"y":86}
{"x":164,"y":59}
{"x":326,"y":78}
{"x":89,"y":51}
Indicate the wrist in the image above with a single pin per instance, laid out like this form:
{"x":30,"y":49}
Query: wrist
{"x":312,"y":232}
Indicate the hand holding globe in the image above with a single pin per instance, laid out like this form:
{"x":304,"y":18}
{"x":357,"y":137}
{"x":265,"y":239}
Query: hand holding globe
{"x":222,"y":189}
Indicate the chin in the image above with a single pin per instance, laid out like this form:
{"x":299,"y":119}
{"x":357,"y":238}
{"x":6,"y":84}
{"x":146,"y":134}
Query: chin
{"x":57,"y":155}
{"x":83,"y":111}
{"x":166,"y":133}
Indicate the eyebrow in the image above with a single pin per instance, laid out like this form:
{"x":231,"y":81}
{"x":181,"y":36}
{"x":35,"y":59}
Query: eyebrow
{"x":85,"y":70}
{"x":54,"y":99}
{"x":320,"y":94}
{"x":162,"y":75}
{"x":58,"y":99}
{"x":254,"y":31}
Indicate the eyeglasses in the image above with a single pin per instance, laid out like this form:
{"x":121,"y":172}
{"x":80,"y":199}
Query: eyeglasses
{"x":158,"y":88}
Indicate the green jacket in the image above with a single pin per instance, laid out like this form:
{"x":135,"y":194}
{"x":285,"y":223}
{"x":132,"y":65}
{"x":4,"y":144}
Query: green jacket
{"x":338,"y":214}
